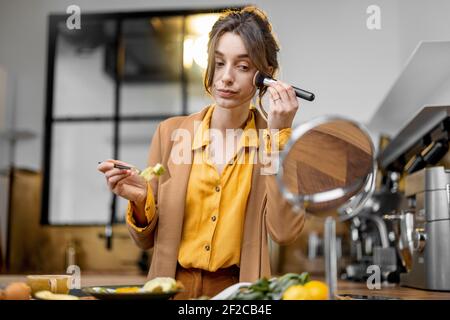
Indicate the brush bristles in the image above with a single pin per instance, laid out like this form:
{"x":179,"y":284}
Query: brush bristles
{"x":259,"y":79}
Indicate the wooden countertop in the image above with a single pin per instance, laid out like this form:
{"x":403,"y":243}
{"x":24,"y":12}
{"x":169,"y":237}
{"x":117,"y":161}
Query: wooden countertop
{"x":88,"y":280}
{"x":391,"y":291}
{"x":344,"y":287}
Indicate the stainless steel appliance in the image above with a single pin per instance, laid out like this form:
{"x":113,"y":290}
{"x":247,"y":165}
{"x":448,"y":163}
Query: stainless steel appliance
{"x":424,"y":238}
{"x":411,"y":223}
{"x":419,"y":155}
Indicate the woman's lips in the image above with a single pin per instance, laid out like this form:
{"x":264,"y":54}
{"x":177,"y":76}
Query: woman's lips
{"x":226,"y":93}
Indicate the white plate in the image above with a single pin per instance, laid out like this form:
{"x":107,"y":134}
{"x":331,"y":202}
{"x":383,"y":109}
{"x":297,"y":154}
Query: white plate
{"x":223,"y":295}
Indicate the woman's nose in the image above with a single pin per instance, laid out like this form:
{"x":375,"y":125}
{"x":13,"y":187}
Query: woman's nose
{"x":227,"y":76}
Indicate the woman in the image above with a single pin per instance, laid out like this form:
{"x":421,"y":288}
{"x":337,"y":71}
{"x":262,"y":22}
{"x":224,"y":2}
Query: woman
{"x":207,"y":219}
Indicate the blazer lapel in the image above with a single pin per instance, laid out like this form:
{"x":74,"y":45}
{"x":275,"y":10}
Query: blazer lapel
{"x":252,"y":263}
{"x":172,"y":198}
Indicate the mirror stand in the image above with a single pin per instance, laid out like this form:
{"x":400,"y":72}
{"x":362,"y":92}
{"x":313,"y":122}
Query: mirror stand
{"x":330,"y":257}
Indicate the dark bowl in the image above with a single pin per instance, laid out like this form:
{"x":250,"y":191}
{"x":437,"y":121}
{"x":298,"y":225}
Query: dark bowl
{"x":128,"y":296}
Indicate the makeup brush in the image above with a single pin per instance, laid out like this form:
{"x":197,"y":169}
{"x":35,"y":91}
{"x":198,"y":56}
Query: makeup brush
{"x":260,"y":80}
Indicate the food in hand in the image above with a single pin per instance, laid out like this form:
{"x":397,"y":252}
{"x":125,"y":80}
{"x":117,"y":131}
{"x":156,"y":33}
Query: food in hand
{"x":47,"y":295}
{"x":17,"y":291}
{"x":148,"y":173}
{"x":151,"y":172}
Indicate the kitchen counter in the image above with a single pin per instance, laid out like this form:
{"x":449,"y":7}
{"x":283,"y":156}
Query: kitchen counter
{"x":344,"y":287}
{"x":391,"y":291}
{"x":88,"y":280}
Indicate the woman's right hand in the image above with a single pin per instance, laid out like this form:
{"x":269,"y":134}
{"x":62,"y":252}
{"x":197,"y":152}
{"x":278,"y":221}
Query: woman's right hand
{"x":127,"y":184}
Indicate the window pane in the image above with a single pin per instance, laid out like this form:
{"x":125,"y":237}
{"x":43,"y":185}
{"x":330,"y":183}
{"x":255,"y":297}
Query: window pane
{"x":135,"y":140}
{"x":84,"y":70}
{"x":195,"y":58}
{"x":151,"y":70}
{"x":5,"y":153}
{"x":78,"y":192}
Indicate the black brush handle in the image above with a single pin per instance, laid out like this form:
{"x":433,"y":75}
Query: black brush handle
{"x":304,"y":94}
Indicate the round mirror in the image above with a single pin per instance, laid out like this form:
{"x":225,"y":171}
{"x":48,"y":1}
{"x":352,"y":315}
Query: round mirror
{"x":328,"y":164}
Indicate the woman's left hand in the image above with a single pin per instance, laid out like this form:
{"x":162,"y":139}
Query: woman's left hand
{"x":283,"y":105}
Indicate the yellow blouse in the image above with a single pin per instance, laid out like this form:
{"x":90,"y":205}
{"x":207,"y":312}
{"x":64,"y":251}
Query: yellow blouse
{"x":215,"y":205}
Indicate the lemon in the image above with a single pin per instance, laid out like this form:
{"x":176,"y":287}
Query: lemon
{"x":296,"y":292}
{"x":317,"y":290}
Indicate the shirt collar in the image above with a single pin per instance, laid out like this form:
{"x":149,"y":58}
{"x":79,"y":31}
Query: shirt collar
{"x":249,"y":137}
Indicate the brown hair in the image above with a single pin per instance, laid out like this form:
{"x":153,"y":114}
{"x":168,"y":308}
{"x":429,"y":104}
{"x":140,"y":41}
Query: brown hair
{"x":255,"y":30}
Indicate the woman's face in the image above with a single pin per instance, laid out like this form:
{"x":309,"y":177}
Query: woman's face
{"x":233,"y":76}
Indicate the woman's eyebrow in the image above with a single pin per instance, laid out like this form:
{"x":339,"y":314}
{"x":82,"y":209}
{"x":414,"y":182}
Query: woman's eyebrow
{"x":244,"y":55}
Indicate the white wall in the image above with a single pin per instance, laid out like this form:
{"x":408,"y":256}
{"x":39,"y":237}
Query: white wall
{"x":423,"y":81}
{"x":422,"y":20}
{"x":427,"y":80}
{"x":325,"y":48}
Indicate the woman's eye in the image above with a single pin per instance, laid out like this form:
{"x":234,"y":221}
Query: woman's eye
{"x":243,"y":67}
{"x":219,"y":64}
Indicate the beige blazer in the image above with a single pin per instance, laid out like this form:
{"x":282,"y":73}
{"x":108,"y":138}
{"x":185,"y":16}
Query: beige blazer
{"x":267,"y":212}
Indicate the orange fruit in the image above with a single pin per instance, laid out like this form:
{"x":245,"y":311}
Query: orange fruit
{"x":317,"y":290}
{"x":296,"y":292}
{"x":127,"y":290}
{"x":17,"y":291}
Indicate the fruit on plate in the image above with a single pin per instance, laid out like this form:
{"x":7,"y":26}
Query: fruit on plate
{"x":290,"y":286}
{"x":47,"y":295}
{"x":162,"y":284}
{"x":273,"y":289}
{"x":127,"y":290}
{"x":317,"y":290}
{"x":296,"y":292}
{"x":17,"y":291}
{"x":312,"y":290}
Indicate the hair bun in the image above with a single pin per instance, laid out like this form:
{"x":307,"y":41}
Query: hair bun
{"x":259,"y":15}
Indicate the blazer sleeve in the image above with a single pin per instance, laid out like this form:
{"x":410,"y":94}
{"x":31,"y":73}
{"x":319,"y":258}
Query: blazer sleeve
{"x":283,"y":224}
{"x":144,"y":236}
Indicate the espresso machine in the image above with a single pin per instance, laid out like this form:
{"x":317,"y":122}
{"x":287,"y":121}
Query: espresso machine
{"x":424,"y":235}
{"x":419,"y":155}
